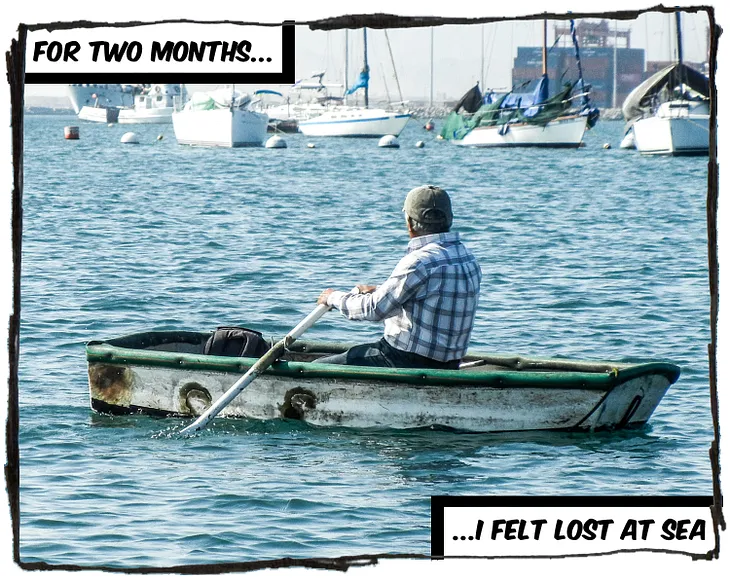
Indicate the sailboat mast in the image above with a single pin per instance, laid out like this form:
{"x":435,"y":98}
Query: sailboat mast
{"x":347,"y":74}
{"x":544,"y":46}
{"x":679,"y":38}
{"x":365,"y":60}
{"x":614,"y":101}
{"x":679,"y":52}
{"x":395,"y":72}
{"x":430,"y":101}
{"x":481,"y":50}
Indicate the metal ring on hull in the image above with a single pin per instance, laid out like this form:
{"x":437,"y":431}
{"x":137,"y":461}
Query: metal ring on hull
{"x":194,"y":398}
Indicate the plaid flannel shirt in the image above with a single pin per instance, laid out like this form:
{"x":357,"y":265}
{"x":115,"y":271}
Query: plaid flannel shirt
{"x":429,"y":301}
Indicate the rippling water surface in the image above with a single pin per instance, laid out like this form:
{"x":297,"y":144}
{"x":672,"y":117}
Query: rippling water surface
{"x":591,"y":253}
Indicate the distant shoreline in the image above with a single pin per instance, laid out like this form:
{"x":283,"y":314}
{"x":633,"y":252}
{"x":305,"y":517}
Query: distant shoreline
{"x":48,"y":111}
{"x":419,"y":113}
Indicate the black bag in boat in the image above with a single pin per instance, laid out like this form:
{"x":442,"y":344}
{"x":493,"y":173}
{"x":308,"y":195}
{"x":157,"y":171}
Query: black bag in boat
{"x":236,"y":341}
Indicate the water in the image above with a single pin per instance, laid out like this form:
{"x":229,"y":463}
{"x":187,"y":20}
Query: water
{"x":589,"y":253}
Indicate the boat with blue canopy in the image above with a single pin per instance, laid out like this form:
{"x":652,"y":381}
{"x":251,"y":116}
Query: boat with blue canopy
{"x":525,"y":118}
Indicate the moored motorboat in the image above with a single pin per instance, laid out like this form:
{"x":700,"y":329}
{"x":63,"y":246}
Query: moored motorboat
{"x":168,"y":373}
{"x":155,"y":105}
{"x":307,"y":98}
{"x":152,"y":105}
{"x":102,"y":114}
{"x":102,"y":95}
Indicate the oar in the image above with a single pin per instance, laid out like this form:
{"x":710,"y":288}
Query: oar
{"x":259,"y":367}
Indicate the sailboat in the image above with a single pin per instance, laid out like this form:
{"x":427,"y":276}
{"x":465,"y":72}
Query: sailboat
{"x":220,"y":118}
{"x":669,"y":113}
{"x":525,"y":119}
{"x":356,"y":121}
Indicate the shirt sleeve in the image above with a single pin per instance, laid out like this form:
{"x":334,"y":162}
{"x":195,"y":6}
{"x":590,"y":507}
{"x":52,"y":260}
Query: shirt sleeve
{"x":387,"y":299}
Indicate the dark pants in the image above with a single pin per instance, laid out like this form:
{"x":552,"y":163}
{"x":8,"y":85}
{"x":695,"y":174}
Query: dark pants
{"x":381,"y":354}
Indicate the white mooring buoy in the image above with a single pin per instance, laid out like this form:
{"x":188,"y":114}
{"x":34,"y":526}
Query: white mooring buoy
{"x":388,"y":141}
{"x":130,"y":138}
{"x":310,"y":145}
{"x":420,"y":144}
{"x":276,"y":142}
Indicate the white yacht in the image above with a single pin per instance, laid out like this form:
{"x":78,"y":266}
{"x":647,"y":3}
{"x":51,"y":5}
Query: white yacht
{"x":669,"y":113}
{"x":103,"y":94}
{"x":219,"y":118}
{"x":154,"y":105}
{"x":353,"y":121}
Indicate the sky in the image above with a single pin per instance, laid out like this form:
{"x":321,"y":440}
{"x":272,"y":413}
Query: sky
{"x":463,"y":54}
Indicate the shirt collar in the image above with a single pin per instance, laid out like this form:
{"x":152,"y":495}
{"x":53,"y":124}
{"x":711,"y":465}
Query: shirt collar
{"x":418,"y":242}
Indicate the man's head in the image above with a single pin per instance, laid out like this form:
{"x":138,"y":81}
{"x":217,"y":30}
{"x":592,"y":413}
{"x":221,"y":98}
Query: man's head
{"x":428,"y":210}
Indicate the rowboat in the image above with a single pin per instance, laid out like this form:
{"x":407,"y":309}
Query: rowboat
{"x":167,"y":373}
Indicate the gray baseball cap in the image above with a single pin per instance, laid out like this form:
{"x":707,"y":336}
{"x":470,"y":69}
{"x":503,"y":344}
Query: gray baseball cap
{"x":428,"y":204}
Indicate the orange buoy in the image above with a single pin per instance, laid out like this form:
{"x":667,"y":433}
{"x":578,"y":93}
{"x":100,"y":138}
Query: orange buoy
{"x":429,"y":125}
{"x":71,"y":132}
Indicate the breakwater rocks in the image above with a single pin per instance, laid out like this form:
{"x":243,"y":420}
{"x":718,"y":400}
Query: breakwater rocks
{"x":430,"y":112}
{"x":439,"y":112}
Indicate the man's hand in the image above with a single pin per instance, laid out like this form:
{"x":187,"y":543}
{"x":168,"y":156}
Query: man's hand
{"x":366,"y":288}
{"x":324,"y":296}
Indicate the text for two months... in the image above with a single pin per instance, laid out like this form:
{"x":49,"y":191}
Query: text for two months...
{"x":133,"y":51}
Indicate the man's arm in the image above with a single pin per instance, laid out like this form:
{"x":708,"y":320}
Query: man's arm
{"x":378,"y":303}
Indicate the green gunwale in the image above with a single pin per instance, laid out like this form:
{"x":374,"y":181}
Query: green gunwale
{"x":107,"y":352}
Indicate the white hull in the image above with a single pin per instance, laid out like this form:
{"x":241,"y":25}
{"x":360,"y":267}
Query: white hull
{"x":628,"y":142}
{"x":99,"y":114}
{"x":368,"y":404}
{"x":220,"y":127}
{"x":560,"y":133}
{"x":355,"y":122}
{"x":676,"y":129}
{"x":104,"y":95}
{"x":161,"y":115}
{"x":169,"y":373}
{"x":295,"y":112}
{"x":126,"y":116}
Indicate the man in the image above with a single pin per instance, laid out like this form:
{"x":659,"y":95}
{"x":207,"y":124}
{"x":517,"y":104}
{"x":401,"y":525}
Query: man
{"x":428,"y":302}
